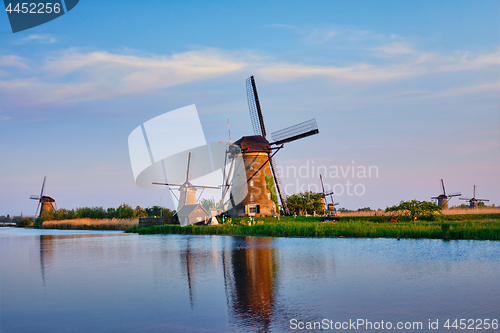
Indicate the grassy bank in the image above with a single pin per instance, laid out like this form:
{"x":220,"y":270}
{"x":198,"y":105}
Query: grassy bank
{"x":481,"y":227}
{"x":92,"y":224}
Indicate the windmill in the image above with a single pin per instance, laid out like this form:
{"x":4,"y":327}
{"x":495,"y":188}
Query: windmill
{"x":325,"y":194}
{"x":47,"y":202}
{"x":259,"y":167}
{"x":473,"y":202}
{"x":189,"y":211}
{"x":443,"y":198}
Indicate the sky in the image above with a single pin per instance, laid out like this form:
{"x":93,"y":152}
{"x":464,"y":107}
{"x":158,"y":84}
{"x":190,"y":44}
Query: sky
{"x":406,"y":89}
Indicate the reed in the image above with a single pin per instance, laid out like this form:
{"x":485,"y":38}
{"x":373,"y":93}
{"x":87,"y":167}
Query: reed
{"x":91,"y":224}
{"x":453,"y":211}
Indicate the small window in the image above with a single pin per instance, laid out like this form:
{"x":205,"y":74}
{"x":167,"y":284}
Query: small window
{"x":252,"y":183}
{"x":269,"y":195}
{"x":252,"y":209}
{"x":252,"y":168}
{"x":252,"y":198}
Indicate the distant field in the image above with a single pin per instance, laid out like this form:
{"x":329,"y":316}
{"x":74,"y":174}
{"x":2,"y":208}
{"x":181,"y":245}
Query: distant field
{"x":92,"y":224}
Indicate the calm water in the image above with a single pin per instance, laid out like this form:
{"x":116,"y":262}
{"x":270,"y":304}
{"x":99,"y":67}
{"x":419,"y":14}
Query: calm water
{"x":55,"y":281}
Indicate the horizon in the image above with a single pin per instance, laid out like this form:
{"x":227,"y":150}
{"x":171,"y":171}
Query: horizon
{"x":411,"y":89}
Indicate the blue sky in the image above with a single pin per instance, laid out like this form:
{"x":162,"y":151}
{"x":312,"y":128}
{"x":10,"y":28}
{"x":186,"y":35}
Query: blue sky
{"x":411,"y":87}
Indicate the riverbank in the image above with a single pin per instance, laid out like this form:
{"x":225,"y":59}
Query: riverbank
{"x":479,"y":227}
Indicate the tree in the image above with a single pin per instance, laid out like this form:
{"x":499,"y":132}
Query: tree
{"x":111,"y":213}
{"x":21,"y":223}
{"x":5,"y":218}
{"x":301,"y":203}
{"x":155,"y":211}
{"x":415,"y":208}
{"x":124,"y":211}
{"x":140,"y":212}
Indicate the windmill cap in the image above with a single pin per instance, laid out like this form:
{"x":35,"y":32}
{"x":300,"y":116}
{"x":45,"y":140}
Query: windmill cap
{"x":254,"y":144}
{"x":47,"y":199}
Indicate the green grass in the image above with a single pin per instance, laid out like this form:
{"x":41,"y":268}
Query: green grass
{"x":447,"y":227}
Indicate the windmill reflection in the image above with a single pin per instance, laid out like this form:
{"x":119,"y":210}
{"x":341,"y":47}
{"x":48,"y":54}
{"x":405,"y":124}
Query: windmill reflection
{"x":187,"y":260}
{"x":249,"y":277}
{"x":46,"y":253}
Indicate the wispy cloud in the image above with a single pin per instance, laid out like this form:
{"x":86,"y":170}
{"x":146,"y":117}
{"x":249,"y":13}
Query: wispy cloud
{"x":75,"y":76}
{"x":465,"y":90}
{"x":13,"y":61}
{"x":349,"y":38}
{"x":421,"y":64}
{"x":38,"y":38}
{"x":395,"y":48}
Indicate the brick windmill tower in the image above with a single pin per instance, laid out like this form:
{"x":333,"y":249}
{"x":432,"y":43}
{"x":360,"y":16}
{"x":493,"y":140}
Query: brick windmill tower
{"x":47,"y":202}
{"x":473,"y":202}
{"x":443,"y":198}
{"x":259,"y":172}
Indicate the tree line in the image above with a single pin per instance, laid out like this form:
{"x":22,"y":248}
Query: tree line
{"x":124,"y":211}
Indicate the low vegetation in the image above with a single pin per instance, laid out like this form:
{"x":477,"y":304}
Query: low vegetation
{"x":480,"y":227}
{"x":119,"y":218}
{"x":305,"y":203}
{"x":414,"y":208}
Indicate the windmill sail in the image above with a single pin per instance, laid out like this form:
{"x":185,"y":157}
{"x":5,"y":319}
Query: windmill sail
{"x":254,"y":107}
{"x":295,"y":132}
{"x":260,"y":129}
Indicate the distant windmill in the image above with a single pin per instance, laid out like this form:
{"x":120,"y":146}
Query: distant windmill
{"x":256,"y":152}
{"x":47,"y":202}
{"x":443,"y":198}
{"x":188,"y":209}
{"x":325,"y":194}
{"x":473,"y":202}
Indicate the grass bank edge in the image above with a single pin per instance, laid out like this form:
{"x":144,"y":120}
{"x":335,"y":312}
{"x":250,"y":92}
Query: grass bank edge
{"x":479,"y":229}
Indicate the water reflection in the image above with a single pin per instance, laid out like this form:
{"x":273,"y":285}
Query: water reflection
{"x":249,"y":272}
{"x":249,"y":277}
{"x":48,"y":244}
{"x":176,"y":283}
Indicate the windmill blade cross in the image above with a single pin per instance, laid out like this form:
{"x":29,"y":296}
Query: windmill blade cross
{"x":204,"y":186}
{"x":442,"y":187}
{"x":295,"y":132}
{"x":454,"y":194}
{"x":254,"y":107}
{"x":168,"y":184}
